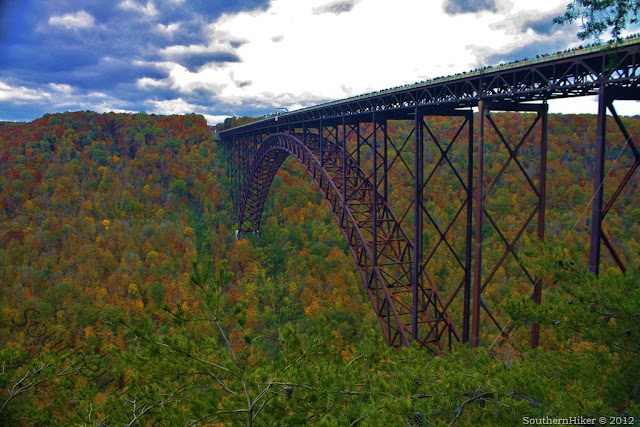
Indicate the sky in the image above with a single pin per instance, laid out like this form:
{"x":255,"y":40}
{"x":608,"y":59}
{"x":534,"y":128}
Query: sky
{"x":221,"y":58}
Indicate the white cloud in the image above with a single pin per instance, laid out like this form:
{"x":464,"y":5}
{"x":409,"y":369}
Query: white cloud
{"x":21,"y":94}
{"x":214,"y":120}
{"x":321,"y":56}
{"x":180,"y":106}
{"x":219,"y":43}
{"x":589,"y":105}
{"x":148,"y":10}
{"x":179,"y":50}
{"x":61,"y":88}
{"x":147,"y":82}
{"x":168,"y":29}
{"x":60,"y":97}
{"x":73,"y":21}
{"x":173,"y":106}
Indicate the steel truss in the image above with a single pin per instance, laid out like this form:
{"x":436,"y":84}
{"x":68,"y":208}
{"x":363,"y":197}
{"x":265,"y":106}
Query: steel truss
{"x":507,"y":245}
{"x":606,"y":100}
{"x":426,"y":271}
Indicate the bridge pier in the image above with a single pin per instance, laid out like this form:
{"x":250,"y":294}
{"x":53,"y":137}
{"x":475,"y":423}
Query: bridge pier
{"x":606,"y":98}
{"x":509,"y":243}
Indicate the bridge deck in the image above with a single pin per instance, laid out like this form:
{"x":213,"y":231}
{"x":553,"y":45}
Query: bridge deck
{"x":578,"y":72}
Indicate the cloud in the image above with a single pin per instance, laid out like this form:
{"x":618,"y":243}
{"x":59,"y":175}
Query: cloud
{"x":543,"y":24}
{"x":173,"y":106}
{"x":148,"y":9}
{"x":454,"y":7}
{"x":215,"y":119}
{"x":20,"y":94}
{"x":336,"y":7}
{"x":168,"y":29}
{"x":540,"y":22}
{"x":58,"y":97}
{"x":73,"y":21}
{"x":247,"y":57}
{"x":221,"y":49}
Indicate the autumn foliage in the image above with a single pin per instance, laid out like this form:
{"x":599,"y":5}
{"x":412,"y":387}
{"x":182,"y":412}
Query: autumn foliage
{"x":125,"y":297}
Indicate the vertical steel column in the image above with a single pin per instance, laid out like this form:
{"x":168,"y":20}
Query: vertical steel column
{"x":236,"y":172}
{"x":358,"y":144}
{"x":374,"y":217}
{"x":344,"y":168}
{"x":374,"y":196}
{"x":542,"y":206}
{"x":384,"y":160}
{"x":320,"y":133}
{"x":418,"y":166}
{"x":467,"y":259}
{"x":228,"y":157}
{"x":477,"y":271}
{"x":598,"y":182}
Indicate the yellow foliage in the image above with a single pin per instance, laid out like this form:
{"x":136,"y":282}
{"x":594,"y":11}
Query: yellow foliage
{"x":106,"y":224}
{"x":29,"y":206}
{"x":293,"y":287}
{"x":335,"y":255}
{"x":347,"y":354}
{"x":312,"y":309}
{"x":134,"y":292}
{"x":152,"y":256}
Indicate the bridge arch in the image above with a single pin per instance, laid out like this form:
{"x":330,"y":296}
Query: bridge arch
{"x":381,"y":249}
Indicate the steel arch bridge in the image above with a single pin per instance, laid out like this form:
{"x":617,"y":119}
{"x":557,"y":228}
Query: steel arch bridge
{"x":347,"y":149}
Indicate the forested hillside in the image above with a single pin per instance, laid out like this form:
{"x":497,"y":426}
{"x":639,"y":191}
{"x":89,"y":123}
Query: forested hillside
{"x":125,"y":298}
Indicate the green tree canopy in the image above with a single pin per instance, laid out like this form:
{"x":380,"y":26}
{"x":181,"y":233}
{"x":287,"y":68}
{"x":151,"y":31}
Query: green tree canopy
{"x":597,"y":16}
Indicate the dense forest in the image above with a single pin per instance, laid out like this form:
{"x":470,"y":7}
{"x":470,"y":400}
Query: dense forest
{"x":126,"y":299}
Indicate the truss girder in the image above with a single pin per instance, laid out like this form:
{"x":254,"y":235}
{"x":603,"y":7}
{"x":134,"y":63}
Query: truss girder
{"x":577,"y":73}
{"x":345,"y":148}
{"x":380,"y":247}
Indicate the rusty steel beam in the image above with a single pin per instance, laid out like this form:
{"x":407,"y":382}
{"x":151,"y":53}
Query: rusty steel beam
{"x":480,"y":282}
{"x":598,"y":182}
{"x":466,"y":315}
{"x":383,"y":253}
{"x":418,"y":171}
{"x":599,"y":209}
{"x":542,"y":208}
{"x":479,"y":202}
